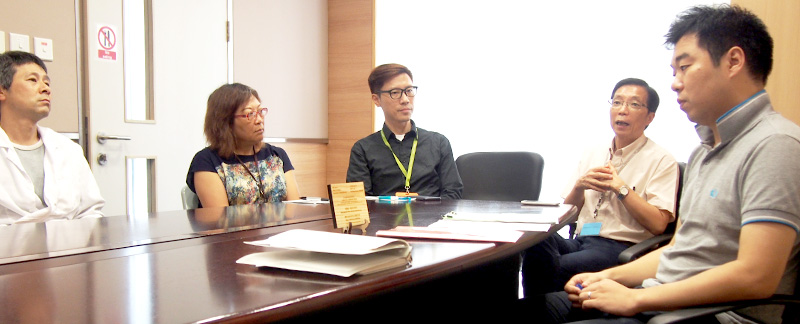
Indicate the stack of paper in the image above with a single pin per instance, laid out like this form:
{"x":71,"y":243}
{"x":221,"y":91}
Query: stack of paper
{"x":550,"y":218}
{"x":538,"y":221}
{"x":459,"y":234}
{"x":331,"y":253}
{"x":487,"y":227}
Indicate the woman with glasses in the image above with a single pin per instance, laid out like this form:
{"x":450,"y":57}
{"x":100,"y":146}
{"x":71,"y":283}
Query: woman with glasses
{"x":238,"y":167}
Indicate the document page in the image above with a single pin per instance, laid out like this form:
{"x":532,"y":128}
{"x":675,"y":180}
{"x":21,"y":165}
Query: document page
{"x":331,"y":253}
{"x":342,"y":265}
{"x":491,"y":226}
{"x":481,"y":234}
{"x":540,"y":215}
{"x":327,"y":242}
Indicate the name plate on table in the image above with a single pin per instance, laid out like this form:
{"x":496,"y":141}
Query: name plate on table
{"x":349,"y":206}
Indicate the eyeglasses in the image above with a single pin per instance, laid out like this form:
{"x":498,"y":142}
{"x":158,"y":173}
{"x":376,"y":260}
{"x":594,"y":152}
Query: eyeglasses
{"x":252,"y":115}
{"x":397,"y":93}
{"x":617,"y":104}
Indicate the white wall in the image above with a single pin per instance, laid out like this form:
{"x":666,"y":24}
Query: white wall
{"x":511,"y":75}
{"x":280,"y":48}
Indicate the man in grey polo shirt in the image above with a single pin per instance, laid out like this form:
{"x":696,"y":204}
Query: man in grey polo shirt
{"x":740,"y":209}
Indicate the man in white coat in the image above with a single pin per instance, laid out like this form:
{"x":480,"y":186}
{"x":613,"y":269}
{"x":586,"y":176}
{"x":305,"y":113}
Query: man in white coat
{"x":44,"y":175}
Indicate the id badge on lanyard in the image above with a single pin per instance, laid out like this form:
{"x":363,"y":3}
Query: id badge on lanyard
{"x":402,"y":168}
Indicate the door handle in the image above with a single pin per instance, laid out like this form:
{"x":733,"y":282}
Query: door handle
{"x":102,"y":138}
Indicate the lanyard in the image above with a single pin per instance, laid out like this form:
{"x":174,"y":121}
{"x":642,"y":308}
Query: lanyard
{"x":258,"y":169}
{"x":410,"y":161}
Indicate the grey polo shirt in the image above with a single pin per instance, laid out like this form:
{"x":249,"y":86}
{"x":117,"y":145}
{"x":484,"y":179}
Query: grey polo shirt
{"x":753,"y":175}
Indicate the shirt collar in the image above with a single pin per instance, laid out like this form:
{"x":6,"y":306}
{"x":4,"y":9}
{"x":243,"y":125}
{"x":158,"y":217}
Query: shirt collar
{"x":732,"y":122}
{"x":6,"y":142}
{"x":632,"y":147}
{"x":411,"y":133}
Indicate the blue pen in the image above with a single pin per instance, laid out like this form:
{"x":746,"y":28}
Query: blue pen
{"x":394,"y":198}
{"x":579,"y":286}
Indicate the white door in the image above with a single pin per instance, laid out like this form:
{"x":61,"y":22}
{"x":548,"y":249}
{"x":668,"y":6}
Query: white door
{"x":189,"y":61}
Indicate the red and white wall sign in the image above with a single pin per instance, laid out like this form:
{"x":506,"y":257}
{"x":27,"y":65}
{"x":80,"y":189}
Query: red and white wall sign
{"x":107,"y":39}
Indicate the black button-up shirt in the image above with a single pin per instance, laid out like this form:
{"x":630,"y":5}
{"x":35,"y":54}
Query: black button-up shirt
{"x":434,"y":172}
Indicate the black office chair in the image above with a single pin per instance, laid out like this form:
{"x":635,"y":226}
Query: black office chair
{"x":791,"y":312}
{"x":504,"y":176}
{"x":655,"y":242}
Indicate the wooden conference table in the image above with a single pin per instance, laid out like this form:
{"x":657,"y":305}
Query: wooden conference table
{"x":179,"y":267}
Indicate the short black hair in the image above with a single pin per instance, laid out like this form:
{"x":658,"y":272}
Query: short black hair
{"x":652,"y":95}
{"x":383,"y":73}
{"x":9,"y":61}
{"x":719,"y":28}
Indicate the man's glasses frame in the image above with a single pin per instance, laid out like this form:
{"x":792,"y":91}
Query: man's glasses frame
{"x":398,"y":93}
{"x":618,"y":104}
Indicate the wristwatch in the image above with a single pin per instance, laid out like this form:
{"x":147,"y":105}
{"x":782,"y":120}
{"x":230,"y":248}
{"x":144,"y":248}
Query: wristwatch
{"x":623,"y":192}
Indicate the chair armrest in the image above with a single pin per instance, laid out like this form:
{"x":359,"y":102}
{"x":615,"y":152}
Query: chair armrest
{"x":695,"y":312}
{"x":643,"y":247}
{"x":687,"y":314}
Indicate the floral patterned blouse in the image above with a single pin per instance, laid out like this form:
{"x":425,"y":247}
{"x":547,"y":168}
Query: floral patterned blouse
{"x":240,"y":184}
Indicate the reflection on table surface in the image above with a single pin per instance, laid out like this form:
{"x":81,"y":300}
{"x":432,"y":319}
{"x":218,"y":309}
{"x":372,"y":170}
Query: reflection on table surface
{"x":187,"y":271}
{"x":30,"y":241}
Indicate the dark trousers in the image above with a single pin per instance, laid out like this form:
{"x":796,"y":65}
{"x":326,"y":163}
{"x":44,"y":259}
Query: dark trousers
{"x":547,"y":266}
{"x":556,"y":308}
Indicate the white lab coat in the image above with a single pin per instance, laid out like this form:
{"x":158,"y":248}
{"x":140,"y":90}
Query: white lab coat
{"x":70,"y":190}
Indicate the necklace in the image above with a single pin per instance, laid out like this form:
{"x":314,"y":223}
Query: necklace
{"x":258,"y":170}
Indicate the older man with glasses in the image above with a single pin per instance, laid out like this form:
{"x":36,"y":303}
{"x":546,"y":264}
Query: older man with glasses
{"x":625,"y":191}
{"x":402,"y":159}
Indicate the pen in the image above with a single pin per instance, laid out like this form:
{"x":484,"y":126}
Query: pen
{"x":314,"y":198}
{"x":395,"y":198}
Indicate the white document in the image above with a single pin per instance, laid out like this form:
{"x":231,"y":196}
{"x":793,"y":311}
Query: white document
{"x":331,"y":253}
{"x":503,"y":217}
{"x":481,"y":234}
{"x":343,"y":265}
{"x":327,"y":242}
{"x":541,"y":215}
{"x":465,"y":225}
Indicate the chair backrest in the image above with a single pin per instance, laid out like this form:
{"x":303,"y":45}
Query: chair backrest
{"x":189,"y":198}
{"x":681,"y":171}
{"x":504,"y":176}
